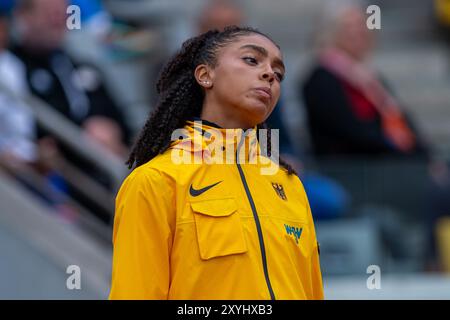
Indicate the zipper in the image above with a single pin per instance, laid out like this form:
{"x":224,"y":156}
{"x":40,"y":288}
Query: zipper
{"x":258,"y":224}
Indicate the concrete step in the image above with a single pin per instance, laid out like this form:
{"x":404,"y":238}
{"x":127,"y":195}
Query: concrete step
{"x":394,"y":286}
{"x":428,"y":64}
{"x":425,"y":100}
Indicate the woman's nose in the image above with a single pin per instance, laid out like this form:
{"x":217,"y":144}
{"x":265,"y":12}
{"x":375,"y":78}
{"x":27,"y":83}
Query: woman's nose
{"x":268,"y":76}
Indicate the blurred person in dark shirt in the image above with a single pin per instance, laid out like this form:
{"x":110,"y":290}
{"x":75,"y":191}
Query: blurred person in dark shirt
{"x":19,"y":150}
{"x":350,"y":110}
{"x":75,"y":90}
{"x":218,"y":14}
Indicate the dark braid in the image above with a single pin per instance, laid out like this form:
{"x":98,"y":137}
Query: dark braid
{"x":180,"y":96}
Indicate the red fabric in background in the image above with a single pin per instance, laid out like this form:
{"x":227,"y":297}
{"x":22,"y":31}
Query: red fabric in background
{"x":361,"y":106}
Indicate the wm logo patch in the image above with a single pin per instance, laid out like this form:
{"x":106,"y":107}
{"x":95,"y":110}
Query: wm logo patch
{"x":296,"y":232}
{"x":279,"y":190}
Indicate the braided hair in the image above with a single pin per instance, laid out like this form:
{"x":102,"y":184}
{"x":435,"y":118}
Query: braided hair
{"x":181,"y":97}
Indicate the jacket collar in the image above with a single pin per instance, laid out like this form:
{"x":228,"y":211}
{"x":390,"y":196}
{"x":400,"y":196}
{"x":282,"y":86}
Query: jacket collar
{"x":208,"y":140}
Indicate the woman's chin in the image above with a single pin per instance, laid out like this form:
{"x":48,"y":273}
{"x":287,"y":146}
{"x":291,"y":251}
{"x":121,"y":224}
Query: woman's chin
{"x":258,"y":112}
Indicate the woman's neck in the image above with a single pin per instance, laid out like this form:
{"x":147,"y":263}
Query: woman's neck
{"x":224,"y":120}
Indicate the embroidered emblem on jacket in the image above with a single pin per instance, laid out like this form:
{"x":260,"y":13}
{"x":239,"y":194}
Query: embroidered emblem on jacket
{"x":296,"y":232}
{"x":279,"y":190}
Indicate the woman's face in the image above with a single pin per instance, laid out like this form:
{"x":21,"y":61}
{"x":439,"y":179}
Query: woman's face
{"x":44,"y":23}
{"x":246,"y":79}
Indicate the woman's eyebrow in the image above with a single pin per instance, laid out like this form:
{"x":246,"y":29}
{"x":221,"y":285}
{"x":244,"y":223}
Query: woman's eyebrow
{"x":263,"y":52}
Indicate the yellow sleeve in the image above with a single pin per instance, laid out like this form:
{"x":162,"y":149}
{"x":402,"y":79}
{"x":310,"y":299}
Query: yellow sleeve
{"x":142,"y":237}
{"x":316,"y":275}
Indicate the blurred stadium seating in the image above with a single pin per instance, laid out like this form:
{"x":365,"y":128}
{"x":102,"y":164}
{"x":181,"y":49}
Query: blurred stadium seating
{"x":37,"y":248}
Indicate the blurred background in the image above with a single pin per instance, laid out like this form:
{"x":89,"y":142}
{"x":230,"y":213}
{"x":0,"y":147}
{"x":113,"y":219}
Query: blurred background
{"x":364,"y":117}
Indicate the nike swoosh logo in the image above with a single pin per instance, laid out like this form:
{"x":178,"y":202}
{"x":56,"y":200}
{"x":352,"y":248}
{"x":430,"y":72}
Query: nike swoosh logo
{"x":195,"y":193}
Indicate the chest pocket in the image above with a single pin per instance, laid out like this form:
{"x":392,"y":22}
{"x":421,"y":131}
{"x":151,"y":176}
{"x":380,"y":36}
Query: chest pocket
{"x":219,"y":229}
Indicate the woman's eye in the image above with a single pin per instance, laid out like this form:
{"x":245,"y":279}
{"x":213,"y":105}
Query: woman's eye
{"x":250,"y":60}
{"x":279,"y":76}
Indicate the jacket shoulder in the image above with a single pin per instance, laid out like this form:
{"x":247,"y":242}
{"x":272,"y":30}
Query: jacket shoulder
{"x":162,"y":165}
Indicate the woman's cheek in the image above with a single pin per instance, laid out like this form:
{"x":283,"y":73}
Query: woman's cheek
{"x":276,"y":91}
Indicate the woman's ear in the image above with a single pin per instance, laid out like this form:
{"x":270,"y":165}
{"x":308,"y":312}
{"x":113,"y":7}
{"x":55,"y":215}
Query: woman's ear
{"x":202,"y":74}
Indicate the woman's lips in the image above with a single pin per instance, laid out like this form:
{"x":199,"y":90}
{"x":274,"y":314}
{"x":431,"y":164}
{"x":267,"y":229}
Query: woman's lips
{"x":264,"y":92}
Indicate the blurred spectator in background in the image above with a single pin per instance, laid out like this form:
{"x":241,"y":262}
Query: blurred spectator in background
{"x":350,"y":110}
{"x":17,"y":127}
{"x":218,"y":14}
{"x":18,"y":140}
{"x":75,"y":90}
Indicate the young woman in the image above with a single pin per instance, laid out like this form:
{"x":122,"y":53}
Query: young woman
{"x":205,"y":229}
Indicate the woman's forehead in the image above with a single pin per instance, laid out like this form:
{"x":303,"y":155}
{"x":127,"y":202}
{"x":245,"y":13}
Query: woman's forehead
{"x":255,"y":40}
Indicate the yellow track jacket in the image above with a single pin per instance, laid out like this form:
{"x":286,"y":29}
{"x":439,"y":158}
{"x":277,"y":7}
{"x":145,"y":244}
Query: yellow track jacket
{"x":213,"y":231}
